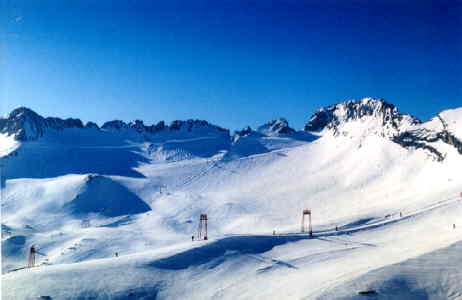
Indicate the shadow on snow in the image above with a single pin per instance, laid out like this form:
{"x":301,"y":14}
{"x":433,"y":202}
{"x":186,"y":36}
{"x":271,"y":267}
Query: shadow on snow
{"x":241,"y":244}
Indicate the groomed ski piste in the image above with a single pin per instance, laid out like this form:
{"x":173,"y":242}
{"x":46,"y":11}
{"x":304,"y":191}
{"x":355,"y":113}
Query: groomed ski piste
{"x":386,"y":216}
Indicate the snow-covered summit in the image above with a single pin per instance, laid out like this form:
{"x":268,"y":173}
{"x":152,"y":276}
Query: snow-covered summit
{"x":369,"y":116}
{"x":384,"y":115}
{"x":24,"y":124}
{"x":275,"y":127}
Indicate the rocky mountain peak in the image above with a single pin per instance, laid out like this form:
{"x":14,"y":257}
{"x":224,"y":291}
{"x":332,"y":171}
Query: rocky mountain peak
{"x":114,"y":125}
{"x":277,"y":126}
{"x":193,"y":125}
{"x":244,"y":132}
{"x":138,"y":125}
{"x":22,"y":113}
{"x":91,"y":125}
{"x":386,"y":115}
{"x":24,"y":124}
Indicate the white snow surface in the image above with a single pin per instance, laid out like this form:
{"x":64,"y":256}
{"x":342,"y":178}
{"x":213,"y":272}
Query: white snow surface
{"x":453,"y":119}
{"x":7,"y":144}
{"x":395,"y":210}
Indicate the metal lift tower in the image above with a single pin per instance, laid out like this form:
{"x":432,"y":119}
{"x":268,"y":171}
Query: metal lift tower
{"x":310,"y":229}
{"x":202,"y":227}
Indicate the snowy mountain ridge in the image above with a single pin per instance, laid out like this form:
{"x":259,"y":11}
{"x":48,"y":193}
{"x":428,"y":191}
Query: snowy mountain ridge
{"x":360,"y":118}
{"x":26,"y":125}
{"x":376,"y":116}
{"x":354,"y":117}
{"x":386,"y":116}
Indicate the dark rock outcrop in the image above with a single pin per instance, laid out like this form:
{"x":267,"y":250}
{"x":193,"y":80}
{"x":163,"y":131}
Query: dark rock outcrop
{"x":25,"y":124}
{"x":191,"y":125}
{"x":244,"y":132}
{"x":114,"y":125}
{"x":332,"y":116}
{"x":91,"y":125}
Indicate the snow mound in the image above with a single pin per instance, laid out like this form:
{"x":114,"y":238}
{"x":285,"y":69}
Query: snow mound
{"x":106,"y":197}
{"x":429,"y":276}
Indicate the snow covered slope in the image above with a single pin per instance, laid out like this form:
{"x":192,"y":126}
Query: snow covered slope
{"x":383,"y":187}
{"x":453,"y":119}
{"x":7,"y":145}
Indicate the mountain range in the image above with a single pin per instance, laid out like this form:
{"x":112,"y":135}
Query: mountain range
{"x":383,"y":189}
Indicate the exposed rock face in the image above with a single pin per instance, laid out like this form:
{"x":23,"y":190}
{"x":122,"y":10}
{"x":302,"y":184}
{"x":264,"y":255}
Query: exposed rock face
{"x":244,"y":132}
{"x":452,"y":140}
{"x":156,"y":128}
{"x":272,"y":128}
{"x":177,"y":125}
{"x":191,"y":125}
{"x":59,"y":124}
{"x":275,"y":127}
{"x":419,"y":139}
{"x":91,"y":125}
{"x":379,"y":117}
{"x":448,"y":137}
{"x":138,"y":126}
{"x":114,"y":125}
{"x":25,"y":124}
{"x":422,"y":138}
{"x":359,"y":117}
{"x":386,"y":114}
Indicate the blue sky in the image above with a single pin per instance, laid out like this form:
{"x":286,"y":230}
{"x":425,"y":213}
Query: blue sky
{"x":233,"y":63}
